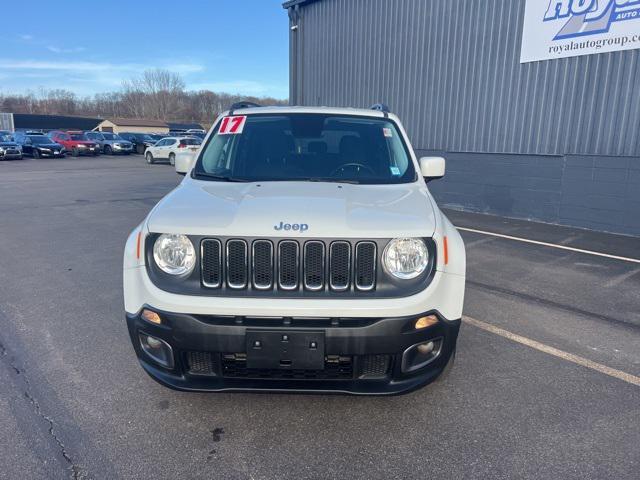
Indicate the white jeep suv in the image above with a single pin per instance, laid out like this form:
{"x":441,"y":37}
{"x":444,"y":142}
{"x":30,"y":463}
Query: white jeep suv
{"x":302,"y":251}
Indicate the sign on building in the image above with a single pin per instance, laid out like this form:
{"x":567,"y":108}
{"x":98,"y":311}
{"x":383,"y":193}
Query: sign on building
{"x":569,"y":28}
{"x":6,"y":121}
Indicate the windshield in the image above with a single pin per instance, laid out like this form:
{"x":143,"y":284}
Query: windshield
{"x":110,"y":136}
{"x":312,"y":147}
{"x":40,"y":139}
{"x":78,"y":136}
{"x":6,"y":138}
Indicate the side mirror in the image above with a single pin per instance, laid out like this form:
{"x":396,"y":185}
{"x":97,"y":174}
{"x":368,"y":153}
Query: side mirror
{"x":432,"y":168}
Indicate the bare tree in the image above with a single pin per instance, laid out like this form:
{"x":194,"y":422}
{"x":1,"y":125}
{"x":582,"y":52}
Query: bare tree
{"x":156,"y":94}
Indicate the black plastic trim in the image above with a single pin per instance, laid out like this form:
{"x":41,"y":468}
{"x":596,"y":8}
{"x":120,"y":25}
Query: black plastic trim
{"x":376,"y":336}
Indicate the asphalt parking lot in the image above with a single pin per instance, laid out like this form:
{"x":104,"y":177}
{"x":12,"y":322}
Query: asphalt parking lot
{"x":74,"y":402}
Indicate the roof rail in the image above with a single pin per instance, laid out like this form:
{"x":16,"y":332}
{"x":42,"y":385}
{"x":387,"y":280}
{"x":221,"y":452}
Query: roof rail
{"x":243,"y":104}
{"x":380,"y":107}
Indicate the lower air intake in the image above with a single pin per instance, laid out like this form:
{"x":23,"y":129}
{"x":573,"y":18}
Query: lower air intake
{"x":374,"y":366}
{"x":200,"y":363}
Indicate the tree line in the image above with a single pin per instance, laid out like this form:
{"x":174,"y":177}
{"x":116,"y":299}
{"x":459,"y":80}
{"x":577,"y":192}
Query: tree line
{"x":155,"y":95}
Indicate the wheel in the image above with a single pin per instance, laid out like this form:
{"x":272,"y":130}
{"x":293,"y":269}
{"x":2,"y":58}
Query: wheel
{"x":107,"y":150}
{"x":149,"y":158}
{"x":172,"y":159}
{"x":75,"y":152}
{"x":36,"y":153}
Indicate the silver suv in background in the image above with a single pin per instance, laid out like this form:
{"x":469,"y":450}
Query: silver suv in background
{"x":110,"y":143}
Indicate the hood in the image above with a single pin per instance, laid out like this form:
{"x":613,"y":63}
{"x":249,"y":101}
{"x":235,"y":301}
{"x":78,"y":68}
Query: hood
{"x":327,"y":209}
{"x":47,"y":145}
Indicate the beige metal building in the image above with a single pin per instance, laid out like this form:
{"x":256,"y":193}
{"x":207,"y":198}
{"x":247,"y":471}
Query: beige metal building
{"x":118,"y":125}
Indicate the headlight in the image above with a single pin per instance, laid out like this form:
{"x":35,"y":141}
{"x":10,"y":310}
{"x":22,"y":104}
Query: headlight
{"x":406,"y":258}
{"x":174,"y":254}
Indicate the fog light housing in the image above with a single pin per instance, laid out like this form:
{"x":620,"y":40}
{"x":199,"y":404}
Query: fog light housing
{"x":427,"y":321}
{"x":157,"y":349}
{"x":151,"y":316}
{"x":421,"y":354}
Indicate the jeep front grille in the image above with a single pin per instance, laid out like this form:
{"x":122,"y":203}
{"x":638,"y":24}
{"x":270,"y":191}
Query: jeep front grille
{"x":236,"y":256}
{"x":289,"y":265}
{"x":211,"y":252}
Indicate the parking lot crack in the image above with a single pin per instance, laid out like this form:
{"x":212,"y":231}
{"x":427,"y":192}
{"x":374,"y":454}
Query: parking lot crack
{"x":76,"y":473}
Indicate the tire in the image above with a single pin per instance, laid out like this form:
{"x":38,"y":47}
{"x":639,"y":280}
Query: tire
{"x":75,"y":152}
{"x":150,"y":159}
{"x":107,"y":150}
{"x":172,"y":159}
{"x":35,"y":153}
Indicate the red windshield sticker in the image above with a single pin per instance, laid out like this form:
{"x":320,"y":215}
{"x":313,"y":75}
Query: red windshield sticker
{"x":232,"y":125}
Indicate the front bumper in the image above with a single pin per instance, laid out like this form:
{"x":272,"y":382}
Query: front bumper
{"x":10,"y":156}
{"x":122,"y":148}
{"x":51,"y":153}
{"x":87,"y":150}
{"x":362,"y":355}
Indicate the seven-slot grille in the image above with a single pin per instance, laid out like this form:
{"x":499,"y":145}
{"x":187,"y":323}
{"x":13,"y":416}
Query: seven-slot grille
{"x":289,"y":265}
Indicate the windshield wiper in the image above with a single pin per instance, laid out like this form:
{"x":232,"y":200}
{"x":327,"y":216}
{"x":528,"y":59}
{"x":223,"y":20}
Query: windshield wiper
{"x":333,"y":180}
{"x":219,"y":178}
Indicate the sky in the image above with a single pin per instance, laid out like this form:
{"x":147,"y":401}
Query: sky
{"x":232,"y":46}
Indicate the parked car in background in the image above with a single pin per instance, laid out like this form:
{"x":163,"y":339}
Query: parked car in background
{"x":75,"y":142}
{"x":197,"y":133}
{"x":158,"y":136}
{"x":110,"y":143}
{"x":140,"y":141}
{"x":169,"y":148}
{"x":9,"y":149}
{"x":38,"y":145}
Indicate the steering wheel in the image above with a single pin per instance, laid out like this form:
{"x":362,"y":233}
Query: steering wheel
{"x":357,"y":166}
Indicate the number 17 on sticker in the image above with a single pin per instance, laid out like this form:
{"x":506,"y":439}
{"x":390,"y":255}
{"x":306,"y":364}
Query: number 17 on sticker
{"x":232,"y":125}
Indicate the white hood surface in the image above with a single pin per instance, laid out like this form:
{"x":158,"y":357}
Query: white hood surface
{"x":331,"y":210}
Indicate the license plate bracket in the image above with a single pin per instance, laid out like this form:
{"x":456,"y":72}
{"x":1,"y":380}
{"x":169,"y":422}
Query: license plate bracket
{"x":287,"y":350}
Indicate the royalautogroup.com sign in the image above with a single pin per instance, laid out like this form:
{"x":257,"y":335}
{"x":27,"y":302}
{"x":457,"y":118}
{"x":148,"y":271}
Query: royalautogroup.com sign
{"x":569,"y":28}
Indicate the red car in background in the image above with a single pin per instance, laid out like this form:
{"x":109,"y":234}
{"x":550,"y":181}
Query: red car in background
{"x":75,"y":142}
